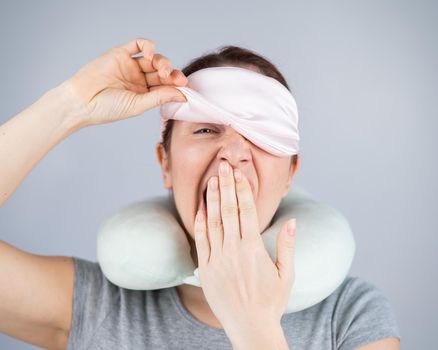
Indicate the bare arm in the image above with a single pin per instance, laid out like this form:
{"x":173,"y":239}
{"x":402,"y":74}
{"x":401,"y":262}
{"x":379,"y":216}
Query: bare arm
{"x":390,"y":343}
{"x":36,"y":291}
{"x":36,"y":297}
{"x":113,"y":87}
{"x":30,"y":135}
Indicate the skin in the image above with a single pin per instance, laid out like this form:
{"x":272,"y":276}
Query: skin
{"x":196,"y":151}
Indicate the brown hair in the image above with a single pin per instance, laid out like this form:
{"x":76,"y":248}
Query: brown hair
{"x":228,"y":56}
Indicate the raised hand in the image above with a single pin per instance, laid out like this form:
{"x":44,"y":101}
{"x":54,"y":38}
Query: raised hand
{"x":116,"y":85}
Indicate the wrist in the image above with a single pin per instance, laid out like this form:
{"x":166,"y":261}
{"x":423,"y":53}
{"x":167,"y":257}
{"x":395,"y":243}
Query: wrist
{"x":62,"y":104}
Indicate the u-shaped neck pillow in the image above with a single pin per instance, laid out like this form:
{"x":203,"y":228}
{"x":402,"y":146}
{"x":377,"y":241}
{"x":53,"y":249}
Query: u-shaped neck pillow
{"x":143,"y":247}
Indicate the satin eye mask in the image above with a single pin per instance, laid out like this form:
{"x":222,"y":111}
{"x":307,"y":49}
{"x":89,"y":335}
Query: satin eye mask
{"x":257,"y":106}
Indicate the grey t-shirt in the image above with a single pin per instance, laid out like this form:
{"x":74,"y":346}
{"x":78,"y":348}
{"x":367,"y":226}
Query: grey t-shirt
{"x":108,"y":317}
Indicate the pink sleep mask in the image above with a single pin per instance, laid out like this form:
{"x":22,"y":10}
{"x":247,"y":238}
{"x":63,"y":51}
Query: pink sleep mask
{"x":257,"y":106}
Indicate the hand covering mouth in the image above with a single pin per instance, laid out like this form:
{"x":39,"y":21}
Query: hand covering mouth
{"x":202,"y":199}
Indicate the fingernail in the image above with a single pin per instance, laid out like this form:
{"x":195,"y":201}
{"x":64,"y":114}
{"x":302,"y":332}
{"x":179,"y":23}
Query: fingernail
{"x":291,"y":225}
{"x":224,"y":168}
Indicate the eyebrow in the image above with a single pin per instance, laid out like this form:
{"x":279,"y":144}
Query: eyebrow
{"x":209,"y":124}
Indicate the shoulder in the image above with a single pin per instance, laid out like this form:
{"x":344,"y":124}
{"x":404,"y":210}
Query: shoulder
{"x":85,"y":266}
{"x":362,"y":314}
{"x":93,"y":287}
{"x":93,"y":292}
{"x":358,"y":293}
{"x":355,"y":284}
{"x":95,"y":299}
{"x":89,"y":278}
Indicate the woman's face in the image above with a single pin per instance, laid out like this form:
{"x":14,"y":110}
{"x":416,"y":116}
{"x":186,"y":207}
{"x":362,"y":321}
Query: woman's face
{"x":195,"y":153}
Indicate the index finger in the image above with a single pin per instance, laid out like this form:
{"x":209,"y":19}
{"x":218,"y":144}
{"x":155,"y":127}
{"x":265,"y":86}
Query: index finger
{"x":135,"y":46}
{"x":159,"y":63}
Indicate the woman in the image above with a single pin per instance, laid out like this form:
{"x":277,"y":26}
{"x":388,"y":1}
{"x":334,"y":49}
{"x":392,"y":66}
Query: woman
{"x":72,"y":305}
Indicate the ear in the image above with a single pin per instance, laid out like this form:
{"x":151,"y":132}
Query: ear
{"x":164,"y":162}
{"x":292,"y":170}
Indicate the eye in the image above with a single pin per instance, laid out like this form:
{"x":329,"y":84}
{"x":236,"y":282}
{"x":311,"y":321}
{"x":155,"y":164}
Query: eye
{"x":199,"y":131}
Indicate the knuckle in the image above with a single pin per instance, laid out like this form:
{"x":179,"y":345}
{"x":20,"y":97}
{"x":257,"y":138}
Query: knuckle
{"x":117,"y":51}
{"x":214,"y":223}
{"x":226,"y":183}
{"x":289,"y":244}
{"x":228,"y":210}
{"x":213,"y":197}
{"x":161,"y":100}
{"x":252,"y":243}
{"x":245,"y":193}
{"x":246,"y":208}
{"x":158,"y":63}
{"x":158,"y":58}
{"x":132,"y":103}
{"x":243,"y":186}
{"x":165,"y":60}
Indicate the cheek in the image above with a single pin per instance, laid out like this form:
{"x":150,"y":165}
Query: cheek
{"x":274,"y":173}
{"x":187,"y":165}
{"x":186,"y":172}
{"x":282,"y":169}
{"x":188,"y":168}
{"x":272,"y":184}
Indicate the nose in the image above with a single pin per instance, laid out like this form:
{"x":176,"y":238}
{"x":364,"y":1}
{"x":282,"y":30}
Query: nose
{"x":235,"y":148}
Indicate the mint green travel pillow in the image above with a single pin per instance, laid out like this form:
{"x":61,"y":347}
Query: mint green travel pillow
{"x":143,"y":247}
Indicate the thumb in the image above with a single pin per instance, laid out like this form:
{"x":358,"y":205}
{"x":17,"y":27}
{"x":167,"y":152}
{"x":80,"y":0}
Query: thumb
{"x":286,"y":252}
{"x":162,"y":94}
{"x":155,"y":97}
